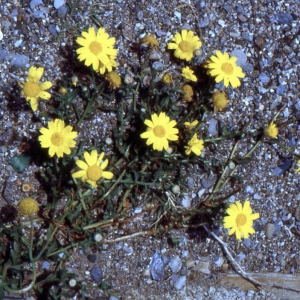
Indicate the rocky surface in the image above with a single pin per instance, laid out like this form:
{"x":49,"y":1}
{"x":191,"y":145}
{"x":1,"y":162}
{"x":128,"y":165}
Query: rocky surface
{"x":264,"y":35}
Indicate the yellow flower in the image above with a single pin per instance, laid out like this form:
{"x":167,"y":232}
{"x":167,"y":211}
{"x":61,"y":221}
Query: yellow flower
{"x":93,"y":169}
{"x":185,"y":44}
{"x":192,"y":125}
{"x":114,"y":79}
{"x":102,"y":68}
{"x":194,"y":145}
{"x":160,"y":130}
{"x":188,"y":92}
{"x":32,"y":90}
{"x":97,"y":49}
{"x":298,"y":170}
{"x":224,"y":68}
{"x":74,"y":80}
{"x":28,"y":207}
{"x":272,"y":131}
{"x":240,"y":219}
{"x":151,"y":41}
{"x":58,"y":138}
{"x":167,"y":78}
{"x":188,"y":74}
{"x":219,"y":100}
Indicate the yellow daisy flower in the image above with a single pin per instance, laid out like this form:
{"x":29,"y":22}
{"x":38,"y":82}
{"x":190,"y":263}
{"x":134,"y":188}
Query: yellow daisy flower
{"x":28,"y":207}
{"x":192,"y":125}
{"x":219,"y":100}
{"x":188,"y":74}
{"x":240,"y":219}
{"x":272,"y":131}
{"x":32,"y":90}
{"x":160,"y":130}
{"x":188,"y":92}
{"x":96,"y":49}
{"x":298,"y":170}
{"x":58,"y":138}
{"x":194,"y":145}
{"x":102,"y":68}
{"x":185,"y":44}
{"x":151,"y":41}
{"x":224,"y":68}
{"x":93,"y":169}
{"x":114,"y":79}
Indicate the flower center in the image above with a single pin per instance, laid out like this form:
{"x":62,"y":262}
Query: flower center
{"x":159,"y":131}
{"x":227,"y":68}
{"x":95,"y":47}
{"x":31,"y":89}
{"x":185,"y":46}
{"x":94,"y":173}
{"x":241,"y":220}
{"x":57,"y":139}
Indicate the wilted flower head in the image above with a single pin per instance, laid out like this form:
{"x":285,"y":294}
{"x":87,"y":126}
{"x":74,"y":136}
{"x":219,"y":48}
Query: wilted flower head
{"x":219,"y":100}
{"x":194,"y":145}
{"x":151,"y":41}
{"x":167,"y":78}
{"x":114,"y":79}
{"x":188,"y":74}
{"x":188,"y":92}
{"x":192,"y":125}
{"x":28,"y":207}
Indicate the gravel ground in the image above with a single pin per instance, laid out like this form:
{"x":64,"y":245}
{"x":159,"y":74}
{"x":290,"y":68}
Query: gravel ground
{"x":264,"y":35}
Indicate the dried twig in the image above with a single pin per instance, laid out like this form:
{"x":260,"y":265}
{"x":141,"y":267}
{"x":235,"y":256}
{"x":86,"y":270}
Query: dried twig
{"x":238,"y":269}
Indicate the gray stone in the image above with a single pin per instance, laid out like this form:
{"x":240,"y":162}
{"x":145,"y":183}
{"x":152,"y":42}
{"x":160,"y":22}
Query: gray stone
{"x":249,"y":189}
{"x":52,"y":29}
{"x":246,"y":36}
{"x":206,"y":183}
{"x":239,"y":9}
{"x":204,"y":22}
{"x":96,"y":274}
{"x":180,"y":282}
{"x":34,"y":3}
{"x":240,"y":257}
{"x":284,"y":18}
{"x":282,"y":167}
{"x":92,"y":258}
{"x":40,"y":14}
{"x":157,"y":267}
{"x":59,"y":3}
{"x":247,"y":68}
{"x":154,"y":55}
{"x":158,"y":66}
{"x":263,"y":77}
{"x":45,"y":265}
{"x":175,"y":264}
{"x":269,"y":230}
{"x":241,"y":56}
{"x":160,"y":33}
{"x":256,"y":197}
{"x":20,"y":61}
{"x":218,"y":261}
{"x":203,"y":267}
{"x":62,"y":11}
{"x":281,"y":89}
{"x":140,"y":15}
{"x":228,"y":8}
{"x":297,"y":213}
{"x":213,"y":126}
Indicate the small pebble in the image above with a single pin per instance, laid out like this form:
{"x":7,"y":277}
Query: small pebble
{"x":96,"y":274}
{"x":180,"y":283}
{"x":269,"y":230}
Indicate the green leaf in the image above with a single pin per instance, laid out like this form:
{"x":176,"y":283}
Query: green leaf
{"x":20,"y":162}
{"x":242,"y":161}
